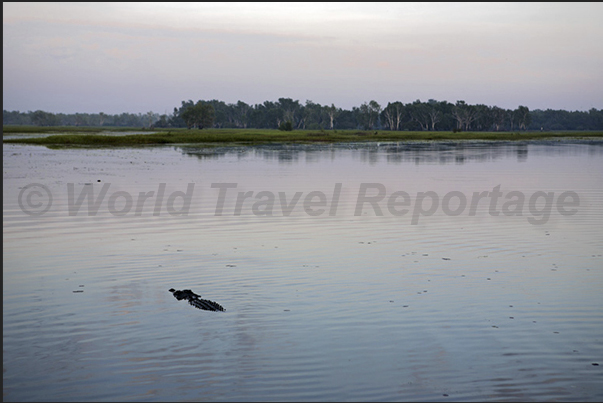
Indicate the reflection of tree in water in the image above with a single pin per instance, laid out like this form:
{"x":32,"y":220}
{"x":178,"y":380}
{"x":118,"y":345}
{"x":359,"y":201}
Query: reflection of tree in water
{"x":419,"y":153}
{"x":522,"y":153}
{"x":280,"y":153}
{"x":458,"y":153}
{"x":213,"y":153}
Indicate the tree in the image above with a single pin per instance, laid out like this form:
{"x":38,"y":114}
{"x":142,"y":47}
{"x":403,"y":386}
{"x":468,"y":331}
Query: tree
{"x":199,"y":115}
{"x":483,"y":117}
{"x":150,"y":119}
{"x":81,"y":119}
{"x":16,"y":118}
{"x":498,"y":117}
{"x":511,"y":117}
{"x":362,"y":115}
{"x":434,"y":113}
{"x":427,"y":114}
{"x":162,"y":122}
{"x":222,"y":113}
{"x":286,"y":126}
{"x":347,"y":119}
{"x":595,"y":119}
{"x":242,"y":114}
{"x":419,"y":112}
{"x":374,"y":111}
{"x":41,"y":118}
{"x":290,"y":110}
{"x":368,"y":114}
{"x":393,"y":115}
{"x":269,"y":114}
{"x":175,"y":120}
{"x":522,"y":114}
{"x":332,"y":112}
{"x":430,"y":115}
{"x":464,"y":114}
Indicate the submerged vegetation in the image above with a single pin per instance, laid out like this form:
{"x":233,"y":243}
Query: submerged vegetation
{"x":99,"y":137}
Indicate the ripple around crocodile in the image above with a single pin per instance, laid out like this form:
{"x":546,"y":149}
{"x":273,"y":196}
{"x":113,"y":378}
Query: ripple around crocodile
{"x":196,"y":301}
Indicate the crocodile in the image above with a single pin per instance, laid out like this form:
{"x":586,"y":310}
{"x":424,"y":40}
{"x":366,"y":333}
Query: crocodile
{"x":196,"y":301}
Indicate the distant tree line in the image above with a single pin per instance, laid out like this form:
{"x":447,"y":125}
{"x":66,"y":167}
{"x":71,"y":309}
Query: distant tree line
{"x":288,"y":114}
{"x":41,"y":118}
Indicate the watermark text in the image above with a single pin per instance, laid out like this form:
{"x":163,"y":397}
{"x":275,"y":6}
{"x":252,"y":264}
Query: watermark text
{"x":372,"y":198}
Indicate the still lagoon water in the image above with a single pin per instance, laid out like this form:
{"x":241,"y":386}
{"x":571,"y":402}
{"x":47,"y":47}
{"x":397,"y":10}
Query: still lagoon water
{"x":424,"y":272}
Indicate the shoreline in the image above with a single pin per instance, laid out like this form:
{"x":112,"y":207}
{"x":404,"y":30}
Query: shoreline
{"x":103,"y":137}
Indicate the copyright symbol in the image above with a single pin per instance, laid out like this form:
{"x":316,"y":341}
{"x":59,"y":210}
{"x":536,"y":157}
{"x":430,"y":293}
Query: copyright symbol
{"x":35,"y":199}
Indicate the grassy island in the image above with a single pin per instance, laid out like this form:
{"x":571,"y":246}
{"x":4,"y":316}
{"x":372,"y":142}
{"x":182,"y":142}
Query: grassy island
{"x":100,"y":137}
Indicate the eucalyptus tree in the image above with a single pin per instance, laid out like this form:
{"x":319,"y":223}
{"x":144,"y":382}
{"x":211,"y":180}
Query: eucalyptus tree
{"x":393,"y":113}
{"x":523,"y":117}
{"x":595,"y":119}
{"x":361,"y":114}
{"x":419,"y":112}
{"x":434,"y":113}
{"x":498,"y":117}
{"x":430,"y":115}
{"x":332,"y":112}
{"x":348,"y":119}
{"x":270,"y":115}
{"x":150,"y":118}
{"x":368,"y":114}
{"x":291,"y":111}
{"x":313,"y":116}
{"x":483,"y":118}
{"x":464,"y":114}
{"x":222,"y":113}
{"x":511,"y":118}
{"x":81,"y":119}
{"x":375,"y":111}
{"x":241,"y":114}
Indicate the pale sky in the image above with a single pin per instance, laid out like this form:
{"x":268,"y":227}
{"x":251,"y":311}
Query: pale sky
{"x":140,"y":57}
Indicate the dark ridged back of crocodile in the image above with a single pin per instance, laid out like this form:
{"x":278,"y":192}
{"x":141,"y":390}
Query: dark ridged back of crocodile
{"x":205,"y":304}
{"x":196,"y":301}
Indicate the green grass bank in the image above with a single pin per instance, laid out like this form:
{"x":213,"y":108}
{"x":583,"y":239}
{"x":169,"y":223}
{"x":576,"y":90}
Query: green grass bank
{"x":77,"y":136}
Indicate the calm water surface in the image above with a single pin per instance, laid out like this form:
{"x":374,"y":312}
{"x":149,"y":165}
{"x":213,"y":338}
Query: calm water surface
{"x":326,"y":298}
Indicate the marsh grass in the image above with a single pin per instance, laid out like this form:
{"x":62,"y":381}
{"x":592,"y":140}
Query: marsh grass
{"x":70,"y":136}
